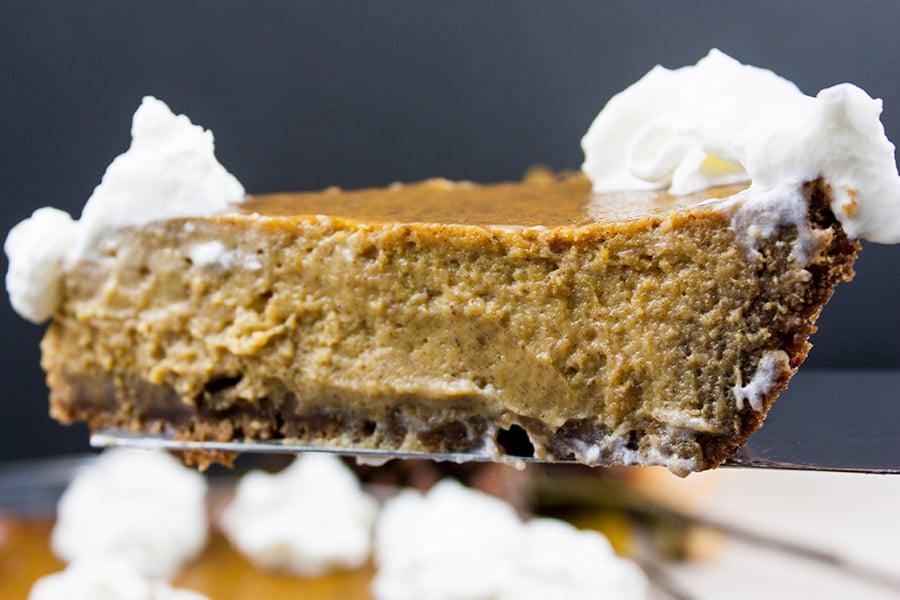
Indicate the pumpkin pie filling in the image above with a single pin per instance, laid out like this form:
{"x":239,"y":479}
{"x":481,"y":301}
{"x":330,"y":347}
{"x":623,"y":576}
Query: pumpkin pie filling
{"x":386,"y":325}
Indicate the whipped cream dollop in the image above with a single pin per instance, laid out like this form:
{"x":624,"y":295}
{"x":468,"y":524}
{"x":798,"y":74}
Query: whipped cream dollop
{"x":107,"y":579}
{"x":310,"y":519}
{"x":458,"y":543}
{"x":170,"y":171}
{"x":721,"y":122}
{"x":142,"y":507}
{"x":35,"y":248}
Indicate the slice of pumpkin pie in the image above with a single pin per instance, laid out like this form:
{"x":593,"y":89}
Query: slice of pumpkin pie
{"x":647,"y":310}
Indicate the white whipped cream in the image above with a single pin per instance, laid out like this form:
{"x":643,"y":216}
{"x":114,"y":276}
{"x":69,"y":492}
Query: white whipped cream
{"x":170,"y":171}
{"x":721,"y":122}
{"x":311,"y":519}
{"x":457,"y":543}
{"x":774,"y":366}
{"x":210,"y":253}
{"x":143,"y":507}
{"x":106,"y":579}
{"x":35,"y":248}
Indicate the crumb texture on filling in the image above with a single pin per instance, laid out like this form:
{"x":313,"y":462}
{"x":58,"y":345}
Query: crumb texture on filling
{"x":609,"y":343}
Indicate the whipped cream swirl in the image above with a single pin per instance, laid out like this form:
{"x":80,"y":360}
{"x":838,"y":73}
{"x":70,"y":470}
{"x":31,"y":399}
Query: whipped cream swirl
{"x":455,"y":543}
{"x":721,"y":122}
{"x":141,"y":507}
{"x":170,"y":171}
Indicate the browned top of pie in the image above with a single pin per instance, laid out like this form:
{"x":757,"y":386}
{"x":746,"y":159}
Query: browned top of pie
{"x":537,"y":202}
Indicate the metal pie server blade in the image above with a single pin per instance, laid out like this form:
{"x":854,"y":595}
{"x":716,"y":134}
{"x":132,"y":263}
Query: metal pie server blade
{"x":831,"y":420}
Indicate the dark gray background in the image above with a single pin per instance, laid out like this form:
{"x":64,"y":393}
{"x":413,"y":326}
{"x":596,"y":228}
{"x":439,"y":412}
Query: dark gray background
{"x":303,"y":96}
